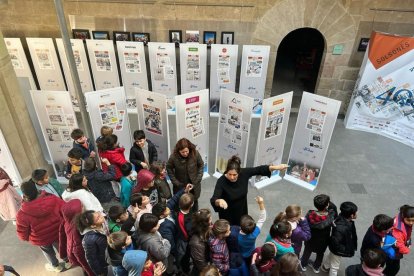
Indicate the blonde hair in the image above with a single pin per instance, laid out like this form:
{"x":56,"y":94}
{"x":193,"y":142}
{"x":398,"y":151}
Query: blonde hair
{"x":291,"y":212}
{"x":220,"y":227}
{"x":106,"y":130}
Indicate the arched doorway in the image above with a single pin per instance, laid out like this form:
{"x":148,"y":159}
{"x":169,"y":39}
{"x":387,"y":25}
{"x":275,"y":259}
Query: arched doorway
{"x":298,"y":62}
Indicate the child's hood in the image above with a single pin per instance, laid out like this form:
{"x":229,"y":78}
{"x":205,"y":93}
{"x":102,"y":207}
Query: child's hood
{"x":318,"y":221}
{"x":40,"y":207}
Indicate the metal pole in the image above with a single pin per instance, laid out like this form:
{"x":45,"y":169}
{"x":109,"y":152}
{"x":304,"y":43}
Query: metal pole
{"x":72,"y":68}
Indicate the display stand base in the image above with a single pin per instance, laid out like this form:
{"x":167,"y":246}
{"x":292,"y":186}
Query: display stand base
{"x":206,"y":175}
{"x":266,"y":182}
{"x":299,"y":182}
{"x":217,"y":175}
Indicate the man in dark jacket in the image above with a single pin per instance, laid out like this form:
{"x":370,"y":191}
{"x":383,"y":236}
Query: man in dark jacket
{"x":343,"y":242}
{"x":83,"y":143}
{"x":143,"y":153}
{"x":38,"y":222}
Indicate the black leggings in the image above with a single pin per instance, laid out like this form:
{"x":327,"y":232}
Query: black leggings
{"x":307,"y":252}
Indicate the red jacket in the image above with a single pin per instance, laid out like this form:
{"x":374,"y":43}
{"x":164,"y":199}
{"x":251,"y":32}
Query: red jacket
{"x":115,"y":157}
{"x":38,"y":220}
{"x":402,"y":233}
{"x":70,"y":241}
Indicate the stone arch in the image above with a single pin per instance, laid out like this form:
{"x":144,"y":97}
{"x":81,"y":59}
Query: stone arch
{"x":329,"y":17}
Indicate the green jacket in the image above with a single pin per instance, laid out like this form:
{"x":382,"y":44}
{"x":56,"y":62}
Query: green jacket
{"x":56,"y":185}
{"x":113,"y":226}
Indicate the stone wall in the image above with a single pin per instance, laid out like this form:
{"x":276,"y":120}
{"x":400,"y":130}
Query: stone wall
{"x":254,"y":22}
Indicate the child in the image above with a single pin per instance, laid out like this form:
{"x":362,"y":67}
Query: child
{"x":91,"y":226}
{"x":280,"y":233}
{"x":198,"y":244}
{"x":143,"y":204}
{"x":118,"y":244}
{"x":403,"y":226}
{"x":38,"y":222}
{"x":210,"y":270}
{"x":115,"y":155}
{"x":183,"y":222}
{"x":343,"y":241}
{"x":46,"y":183}
{"x":250,"y":231}
{"x":219,"y":251}
{"x":149,"y":239}
{"x":375,"y":234}
{"x":105,"y":131}
{"x":146,"y":186}
{"x":75,"y":163}
{"x":70,"y":241}
{"x":287,"y":266}
{"x":372,"y":261}
{"x":128,"y":181}
{"x":158,"y":169}
{"x":300,"y":226}
{"x":320,"y":222}
{"x":143,"y":153}
{"x":83,"y":143}
{"x":151,"y":269}
{"x":78,"y":189}
{"x":100,"y":182}
{"x":120,"y":220}
{"x":9,"y":197}
{"x":263,"y":260}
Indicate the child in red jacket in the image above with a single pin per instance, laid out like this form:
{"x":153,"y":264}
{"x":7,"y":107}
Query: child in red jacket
{"x":115,"y":155}
{"x":38,"y":222}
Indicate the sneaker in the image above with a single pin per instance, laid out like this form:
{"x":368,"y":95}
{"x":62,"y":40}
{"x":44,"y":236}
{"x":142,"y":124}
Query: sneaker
{"x":67,"y":265}
{"x":315,"y":270}
{"x":324,"y":269}
{"x":303,"y":268}
{"x":52,"y":268}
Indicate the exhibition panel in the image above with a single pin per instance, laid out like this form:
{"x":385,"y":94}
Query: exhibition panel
{"x":7,"y":162}
{"x":193,"y":64}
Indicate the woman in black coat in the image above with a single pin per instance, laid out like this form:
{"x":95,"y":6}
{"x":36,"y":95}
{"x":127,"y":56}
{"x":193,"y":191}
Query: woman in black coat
{"x":230,"y":194}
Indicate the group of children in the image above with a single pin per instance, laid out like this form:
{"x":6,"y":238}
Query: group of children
{"x":144,"y":229}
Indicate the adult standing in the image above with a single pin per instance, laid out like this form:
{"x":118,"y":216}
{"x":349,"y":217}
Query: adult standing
{"x":10,"y":200}
{"x":185,"y":166}
{"x":230,"y":194}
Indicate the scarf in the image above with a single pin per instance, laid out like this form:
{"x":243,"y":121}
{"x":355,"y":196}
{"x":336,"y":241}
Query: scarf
{"x":372,"y":271}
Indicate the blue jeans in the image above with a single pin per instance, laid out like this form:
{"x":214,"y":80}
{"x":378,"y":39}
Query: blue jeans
{"x":50,"y":254}
{"x":134,"y":261}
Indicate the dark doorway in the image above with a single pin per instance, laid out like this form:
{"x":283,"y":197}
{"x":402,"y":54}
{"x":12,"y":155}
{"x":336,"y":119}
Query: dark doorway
{"x":297,"y":63}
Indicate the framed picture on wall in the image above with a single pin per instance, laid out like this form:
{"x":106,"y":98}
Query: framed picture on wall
{"x":227,"y":37}
{"x":192,"y":36}
{"x":141,"y":37}
{"x":81,"y":34}
{"x":100,"y":35}
{"x":122,"y":36}
{"x":209,"y":38}
{"x":176,"y":36}
{"x":363,"y":44}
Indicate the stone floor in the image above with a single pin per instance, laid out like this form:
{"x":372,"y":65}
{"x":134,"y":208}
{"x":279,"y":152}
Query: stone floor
{"x":370,"y":170}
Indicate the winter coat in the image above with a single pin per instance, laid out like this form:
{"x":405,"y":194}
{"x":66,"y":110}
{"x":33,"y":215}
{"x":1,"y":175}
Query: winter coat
{"x":372,"y":239}
{"x":402,"y":233}
{"x":86,"y":152}
{"x":56,"y":185}
{"x":163,"y":188}
{"x":10,"y":200}
{"x":126,"y":190}
{"x":94,"y":243}
{"x":70,"y":241}
{"x":157,"y":247}
{"x":344,"y":239}
{"x":100,"y":183}
{"x":300,"y":234}
{"x":114,"y":258}
{"x":200,"y":253}
{"x":186,"y":170}
{"x":89,"y":201}
{"x":219,"y":254}
{"x":115,"y":157}
{"x":136,"y":156}
{"x":38,"y":221}
{"x":320,"y":229}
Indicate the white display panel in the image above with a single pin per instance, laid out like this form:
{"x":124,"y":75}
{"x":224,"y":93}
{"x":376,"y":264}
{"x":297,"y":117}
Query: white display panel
{"x":314,"y":127}
{"x":193,"y":66}
{"x":272,"y":135}
{"x":108,"y":108}
{"x":57,"y":120}
{"x":233,"y":129}
{"x":192,"y":121}
{"x":103,"y":63}
{"x":153,"y":120}
{"x":223,"y":68}
{"x":133,"y":68}
{"x":7,"y":162}
{"x":253,"y":72}
{"x":82,"y":66}
{"x":383,"y":101}
{"x":163,"y":70}
{"x":46,"y":64}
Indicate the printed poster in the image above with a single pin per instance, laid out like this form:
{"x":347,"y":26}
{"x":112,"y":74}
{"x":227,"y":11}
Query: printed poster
{"x":103,"y":61}
{"x":78,"y":60}
{"x":192,"y":116}
{"x":274,"y":123}
{"x":56,"y":115}
{"x":109,"y":114}
{"x":44,"y":59}
{"x":316,"y":119}
{"x":152,"y":119}
{"x":254,"y":66}
{"x":132,"y":62}
{"x":15,"y":58}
